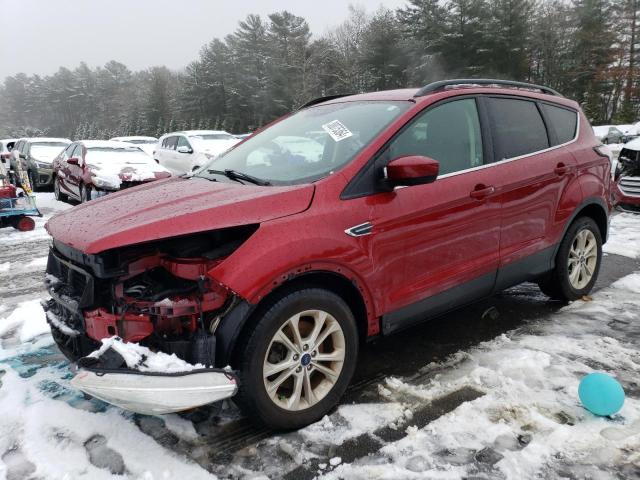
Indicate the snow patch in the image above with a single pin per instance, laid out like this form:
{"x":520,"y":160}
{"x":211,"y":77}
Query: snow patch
{"x":142,"y":359}
{"x":29,"y":318}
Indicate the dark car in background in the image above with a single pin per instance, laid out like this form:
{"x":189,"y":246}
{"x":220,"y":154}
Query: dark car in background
{"x":36,"y":156}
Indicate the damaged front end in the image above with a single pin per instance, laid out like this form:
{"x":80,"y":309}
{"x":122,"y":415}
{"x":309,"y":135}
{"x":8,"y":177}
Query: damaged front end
{"x":158,"y":295}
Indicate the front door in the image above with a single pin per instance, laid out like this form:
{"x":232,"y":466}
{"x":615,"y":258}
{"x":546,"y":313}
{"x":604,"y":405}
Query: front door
{"x":440,"y":241}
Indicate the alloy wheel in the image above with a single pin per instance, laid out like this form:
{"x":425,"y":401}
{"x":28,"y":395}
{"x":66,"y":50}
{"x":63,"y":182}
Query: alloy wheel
{"x":304,"y":360}
{"x":583,"y":259}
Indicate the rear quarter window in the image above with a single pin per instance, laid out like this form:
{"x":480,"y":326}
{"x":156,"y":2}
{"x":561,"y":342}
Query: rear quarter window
{"x":563,"y":122}
{"x":517,"y":127}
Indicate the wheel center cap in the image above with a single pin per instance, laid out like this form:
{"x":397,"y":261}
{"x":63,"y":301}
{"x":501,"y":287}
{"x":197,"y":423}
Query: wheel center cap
{"x":305,"y":360}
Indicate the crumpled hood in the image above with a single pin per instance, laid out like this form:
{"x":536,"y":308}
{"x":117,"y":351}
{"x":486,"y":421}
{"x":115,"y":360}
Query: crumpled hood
{"x":169,"y":208}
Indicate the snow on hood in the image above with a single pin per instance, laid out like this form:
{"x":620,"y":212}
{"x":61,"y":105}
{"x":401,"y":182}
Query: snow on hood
{"x":110,"y":169}
{"x":169,"y":208}
{"x":45,"y":153}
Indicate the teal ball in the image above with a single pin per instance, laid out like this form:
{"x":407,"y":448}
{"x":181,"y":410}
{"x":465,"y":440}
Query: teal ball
{"x":601,"y":394}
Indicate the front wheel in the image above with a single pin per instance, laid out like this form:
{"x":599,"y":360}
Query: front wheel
{"x":32,"y":180}
{"x":85,"y":193}
{"x":577,"y":262}
{"x":57,"y":193}
{"x":298,"y":360}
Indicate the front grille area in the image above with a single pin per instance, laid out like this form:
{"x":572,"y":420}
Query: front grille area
{"x":66,"y":280}
{"x":630,"y":186}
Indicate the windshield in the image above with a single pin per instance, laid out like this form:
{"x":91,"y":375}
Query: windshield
{"x":46,"y":150}
{"x":309,"y":145}
{"x":100,"y":155}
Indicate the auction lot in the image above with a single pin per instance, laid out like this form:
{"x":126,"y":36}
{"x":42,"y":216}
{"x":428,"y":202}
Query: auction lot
{"x":489,"y":391}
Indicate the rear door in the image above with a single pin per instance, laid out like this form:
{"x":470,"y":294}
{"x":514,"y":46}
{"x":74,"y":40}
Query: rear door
{"x":533,"y":170}
{"x":437,"y":245}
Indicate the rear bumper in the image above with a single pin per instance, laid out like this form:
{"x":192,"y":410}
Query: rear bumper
{"x":156,"y":393}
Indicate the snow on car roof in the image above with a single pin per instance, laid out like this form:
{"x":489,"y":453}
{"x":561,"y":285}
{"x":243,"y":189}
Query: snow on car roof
{"x":203,"y":132}
{"x":133,"y":137}
{"x":45,"y":139}
{"x":105,"y":144}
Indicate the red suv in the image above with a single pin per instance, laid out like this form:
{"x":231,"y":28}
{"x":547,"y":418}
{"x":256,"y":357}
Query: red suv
{"x":392,"y":208}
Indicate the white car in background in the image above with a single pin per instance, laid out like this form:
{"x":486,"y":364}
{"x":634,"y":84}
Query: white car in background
{"x":146,"y":144}
{"x":6,"y":145}
{"x":185,"y":151}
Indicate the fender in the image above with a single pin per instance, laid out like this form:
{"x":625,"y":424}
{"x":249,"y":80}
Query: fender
{"x":597,"y":201}
{"x":233,"y":322}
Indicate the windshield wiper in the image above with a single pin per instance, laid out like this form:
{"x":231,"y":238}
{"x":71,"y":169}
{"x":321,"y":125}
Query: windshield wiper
{"x":236,"y":175}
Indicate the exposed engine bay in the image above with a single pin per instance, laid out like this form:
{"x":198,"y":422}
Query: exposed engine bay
{"x":158,"y":294}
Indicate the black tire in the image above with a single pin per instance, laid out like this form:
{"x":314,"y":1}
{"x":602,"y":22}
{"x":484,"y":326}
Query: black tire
{"x":250,"y":355}
{"x":32,"y":180}
{"x":57,"y":193}
{"x":556,"y":284}
{"x":85,"y":193}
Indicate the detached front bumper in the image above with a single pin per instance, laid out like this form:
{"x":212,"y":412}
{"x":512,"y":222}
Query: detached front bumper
{"x":156,"y":393}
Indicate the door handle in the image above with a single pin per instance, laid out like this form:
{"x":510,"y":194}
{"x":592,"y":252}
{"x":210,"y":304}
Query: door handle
{"x":561,"y":169}
{"x":482,"y":191}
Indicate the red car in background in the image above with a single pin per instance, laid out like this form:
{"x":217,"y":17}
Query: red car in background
{"x":282,"y":262}
{"x":92,"y":168}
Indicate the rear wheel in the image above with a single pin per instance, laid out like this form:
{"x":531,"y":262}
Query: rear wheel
{"x":61,"y":197}
{"x":298,"y":360}
{"x":577,"y":262}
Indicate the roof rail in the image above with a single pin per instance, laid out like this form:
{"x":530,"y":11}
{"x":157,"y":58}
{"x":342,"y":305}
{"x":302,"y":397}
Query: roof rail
{"x":318,"y":100}
{"x":432,"y":87}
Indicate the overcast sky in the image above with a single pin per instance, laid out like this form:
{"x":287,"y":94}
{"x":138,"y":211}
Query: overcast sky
{"x":38,"y":36}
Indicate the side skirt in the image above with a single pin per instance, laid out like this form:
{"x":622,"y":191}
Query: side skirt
{"x":438,"y":304}
{"x":524,"y":270}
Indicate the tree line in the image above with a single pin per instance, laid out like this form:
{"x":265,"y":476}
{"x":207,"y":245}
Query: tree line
{"x":586,"y":49}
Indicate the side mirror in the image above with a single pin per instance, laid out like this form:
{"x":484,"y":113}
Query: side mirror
{"x":184,"y":149}
{"x":412,"y":170}
{"x":73,"y":161}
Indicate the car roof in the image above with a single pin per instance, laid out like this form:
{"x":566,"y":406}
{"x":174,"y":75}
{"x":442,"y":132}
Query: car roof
{"x":202,"y":132}
{"x":409,"y":94}
{"x":105,"y":144}
{"x":132,"y":137}
{"x":44,"y":139}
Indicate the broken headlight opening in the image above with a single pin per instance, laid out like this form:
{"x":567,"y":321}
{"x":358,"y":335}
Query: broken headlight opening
{"x":157,"y":294}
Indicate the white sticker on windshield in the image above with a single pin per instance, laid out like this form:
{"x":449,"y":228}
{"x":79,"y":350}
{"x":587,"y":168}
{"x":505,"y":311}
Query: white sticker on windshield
{"x":337,"y":130}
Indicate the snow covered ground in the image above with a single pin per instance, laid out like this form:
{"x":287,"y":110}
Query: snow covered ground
{"x":506,"y":407}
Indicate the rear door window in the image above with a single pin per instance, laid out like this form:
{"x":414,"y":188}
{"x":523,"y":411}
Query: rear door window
{"x":563,"y":122}
{"x":517,"y":127}
{"x":171,"y":143}
{"x":449,"y":133}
